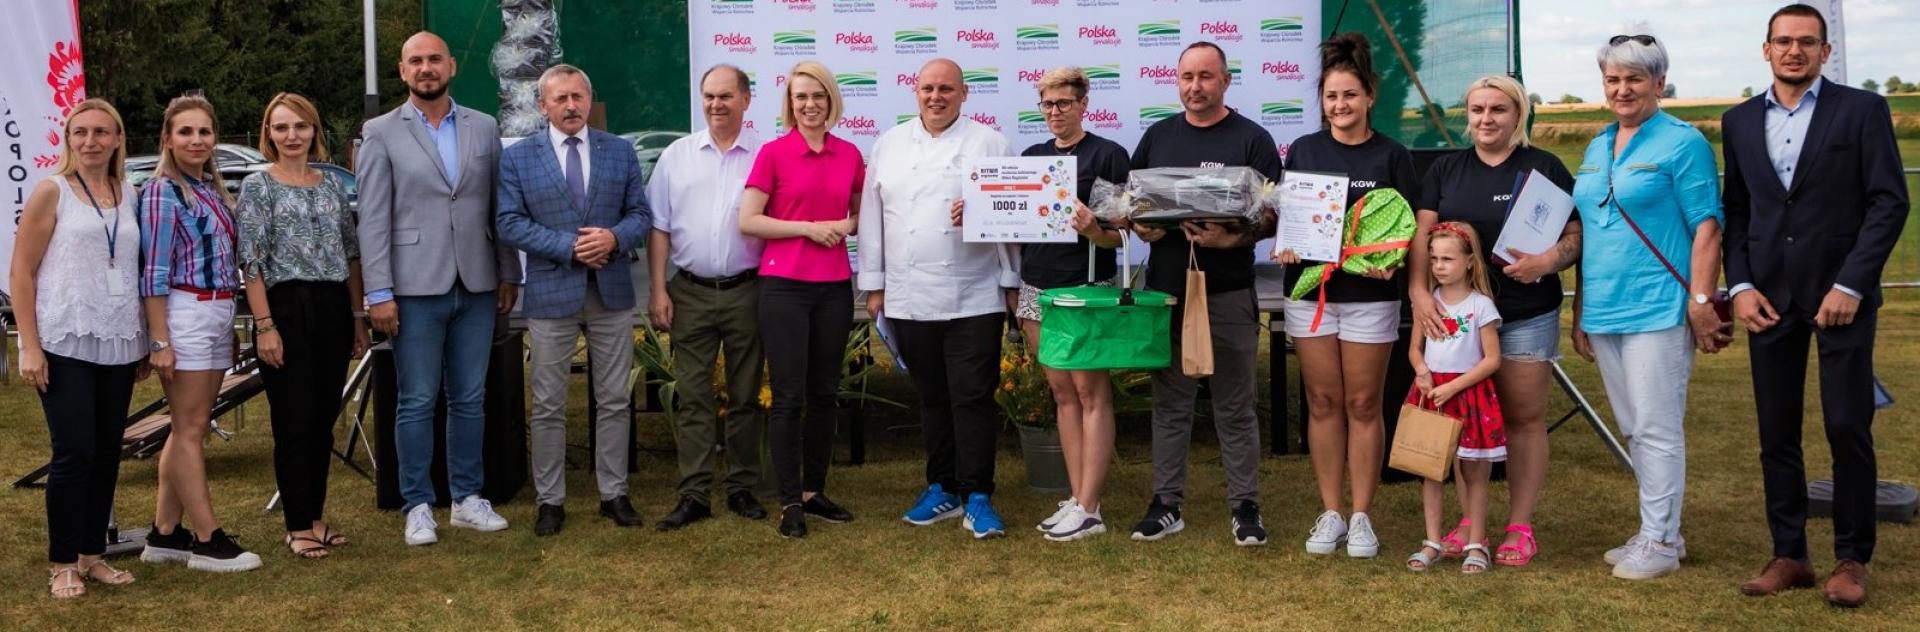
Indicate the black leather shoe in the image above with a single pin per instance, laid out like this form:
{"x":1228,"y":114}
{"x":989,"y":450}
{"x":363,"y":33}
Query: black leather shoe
{"x":620,"y":510}
{"x":824,"y":508}
{"x":744,"y":504}
{"x":551,"y":518}
{"x":793,"y":522}
{"x":689,"y":511}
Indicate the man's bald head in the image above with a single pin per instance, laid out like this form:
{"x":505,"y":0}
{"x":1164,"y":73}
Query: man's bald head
{"x":941,"y":63}
{"x":422,"y":43}
{"x":426,"y":66}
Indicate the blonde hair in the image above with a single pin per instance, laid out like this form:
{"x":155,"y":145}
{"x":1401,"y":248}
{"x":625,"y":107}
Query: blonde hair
{"x":167,"y":168}
{"x":819,"y":72}
{"x":1069,"y":77}
{"x":70,"y":159}
{"x":301,"y":107}
{"x":1477,"y":261}
{"x":1514,"y":92}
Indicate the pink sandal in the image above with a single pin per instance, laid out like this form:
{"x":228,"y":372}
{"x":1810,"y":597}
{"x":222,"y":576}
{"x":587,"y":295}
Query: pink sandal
{"x":1526,"y":549}
{"x":1455,"y":542}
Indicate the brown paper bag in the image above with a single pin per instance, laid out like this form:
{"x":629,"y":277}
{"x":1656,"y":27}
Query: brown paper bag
{"x":1425,"y":442}
{"x":1196,"y":331}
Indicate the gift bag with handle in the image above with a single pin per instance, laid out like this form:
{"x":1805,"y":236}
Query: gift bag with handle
{"x":1424,"y":443}
{"x":1196,"y":332}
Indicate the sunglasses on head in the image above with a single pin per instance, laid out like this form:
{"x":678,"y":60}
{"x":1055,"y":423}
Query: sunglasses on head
{"x":1644,"y":40}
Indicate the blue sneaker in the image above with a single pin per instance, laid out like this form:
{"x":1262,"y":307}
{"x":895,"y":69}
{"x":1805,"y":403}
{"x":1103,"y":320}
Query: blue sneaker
{"x":982,"y":521}
{"x":934,"y":505}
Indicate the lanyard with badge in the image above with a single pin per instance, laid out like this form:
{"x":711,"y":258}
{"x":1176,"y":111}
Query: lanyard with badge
{"x":116,"y":286}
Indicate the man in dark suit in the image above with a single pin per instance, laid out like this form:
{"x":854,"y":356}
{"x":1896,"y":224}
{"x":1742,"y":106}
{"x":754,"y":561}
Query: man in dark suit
{"x":573,"y":198}
{"x":1814,"y":200}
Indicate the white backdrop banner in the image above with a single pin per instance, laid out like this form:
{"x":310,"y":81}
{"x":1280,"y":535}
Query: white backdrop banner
{"x":1128,"y":48}
{"x":40,"y":82}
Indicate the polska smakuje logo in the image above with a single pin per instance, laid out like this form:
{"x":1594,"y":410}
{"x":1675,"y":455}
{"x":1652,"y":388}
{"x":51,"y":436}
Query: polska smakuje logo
{"x":1159,"y":34}
{"x":1282,"y":70}
{"x":735,"y":42}
{"x":803,"y":6}
{"x":1101,"y":118}
{"x":1037,"y":37}
{"x":1098,"y":35}
{"x":977,"y":39}
{"x":1283,"y":30}
{"x":856,"y":41}
{"x":798,"y":42}
{"x":916,"y":41}
{"x":1160,"y":75}
{"x":1221,"y":31}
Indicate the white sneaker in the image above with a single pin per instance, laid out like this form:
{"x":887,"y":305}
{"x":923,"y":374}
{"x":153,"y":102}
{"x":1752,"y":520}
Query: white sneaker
{"x":1647,"y":560}
{"x":1615,"y":554}
{"x":1328,"y":531}
{"x":1361,"y":542}
{"x":1066,"y":506}
{"x":476,"y":513}
{"x":1077,"y":524}
{"x":421,"y":527}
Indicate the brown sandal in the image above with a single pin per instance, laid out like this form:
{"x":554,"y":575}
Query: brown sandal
{"x":317,"y":551}
{"x":332,"y":538}
{"x":115,"y":577}
{"x":70,"y":591}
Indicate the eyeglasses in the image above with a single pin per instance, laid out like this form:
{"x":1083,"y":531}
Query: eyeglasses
{"x":1786,"y":43}
{"x":1057,"y":104}
{"x":1644,"y":40}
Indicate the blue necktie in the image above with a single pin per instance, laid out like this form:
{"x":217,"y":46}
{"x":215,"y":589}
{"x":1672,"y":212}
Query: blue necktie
{"x":576,"y":183}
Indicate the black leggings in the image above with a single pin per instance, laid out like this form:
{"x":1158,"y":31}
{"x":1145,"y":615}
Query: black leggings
{"x":803,"y":327}
{"x":86,"y":408}
{"x":316,"y":336}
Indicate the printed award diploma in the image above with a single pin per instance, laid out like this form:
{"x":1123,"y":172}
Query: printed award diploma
{"x":1019,"y":200}
{"x":1312,"y":210}
{"x":1539,"y":212}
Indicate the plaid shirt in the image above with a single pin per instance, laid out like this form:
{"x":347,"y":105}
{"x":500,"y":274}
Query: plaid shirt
{"x":186,"y":238}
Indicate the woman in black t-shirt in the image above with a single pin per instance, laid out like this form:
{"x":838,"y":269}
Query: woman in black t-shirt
{"x":1477,"y":187}
{"x":1083,"y":400}
{"x":1345,"y":344}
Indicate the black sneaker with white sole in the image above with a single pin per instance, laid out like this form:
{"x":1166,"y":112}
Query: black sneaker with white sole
{"x":1248,"y":530}
{"x":1162,"y":520}
{"x":164,"y":548}
{"x":220,"y":554}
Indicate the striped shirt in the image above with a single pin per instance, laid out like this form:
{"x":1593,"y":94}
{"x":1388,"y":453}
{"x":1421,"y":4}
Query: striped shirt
{"x":186,"y":238}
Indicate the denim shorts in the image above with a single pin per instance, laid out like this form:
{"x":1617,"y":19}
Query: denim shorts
{"x":1532,"y":339}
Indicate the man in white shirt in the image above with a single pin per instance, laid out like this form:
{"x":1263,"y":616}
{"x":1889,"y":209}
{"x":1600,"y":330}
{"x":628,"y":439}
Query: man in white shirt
{"x":946,"y":299}
{"x":711,"y":305}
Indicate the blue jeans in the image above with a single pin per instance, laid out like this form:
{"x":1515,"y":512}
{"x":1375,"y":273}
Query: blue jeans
{"x":451,"y":335}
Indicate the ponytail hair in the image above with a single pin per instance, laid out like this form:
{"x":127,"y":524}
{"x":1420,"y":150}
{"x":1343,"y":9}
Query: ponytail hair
{"x":1351,"y":53}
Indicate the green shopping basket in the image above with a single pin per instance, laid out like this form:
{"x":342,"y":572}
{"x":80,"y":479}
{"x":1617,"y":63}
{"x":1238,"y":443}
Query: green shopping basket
{"x":1093,"y":328}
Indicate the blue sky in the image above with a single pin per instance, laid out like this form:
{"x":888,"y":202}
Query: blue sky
{"x":1714,"y":45}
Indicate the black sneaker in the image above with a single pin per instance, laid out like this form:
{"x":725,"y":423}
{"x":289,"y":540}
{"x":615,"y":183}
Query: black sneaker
{"x":220,"y":554}
{"x":1161,"y":521}
{"x":164,"y":548}
{"x":689,"y":511}
{"x":1248,"y":530}
{"x":822,"y":507}
{"x":746,"y":506}
{"x":793,"y":522}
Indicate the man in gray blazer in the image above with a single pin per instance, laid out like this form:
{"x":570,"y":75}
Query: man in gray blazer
{"x":435,"y":277}
{"x":573,"y":198}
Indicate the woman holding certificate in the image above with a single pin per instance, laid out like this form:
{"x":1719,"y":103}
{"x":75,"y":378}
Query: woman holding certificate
{"x":1345,"y":341}
{"x":1649,"y":199}
{"x":1083,"y":400}
{"x":1478,"y":188}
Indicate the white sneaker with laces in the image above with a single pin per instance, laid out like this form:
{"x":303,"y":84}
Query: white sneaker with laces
{"x":1077,"y":524}
{"x":476,"y":513}
{"x":1361,"y":542}
{"x":1328,"y":531}
{"x":1066,"y":506}
{"x":1618,"y":553}
{"x":421,"y":529}
{"x":1647,"y":560}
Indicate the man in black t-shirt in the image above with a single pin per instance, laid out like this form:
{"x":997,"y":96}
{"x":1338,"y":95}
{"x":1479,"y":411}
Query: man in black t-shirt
{"x":1208,"y":134}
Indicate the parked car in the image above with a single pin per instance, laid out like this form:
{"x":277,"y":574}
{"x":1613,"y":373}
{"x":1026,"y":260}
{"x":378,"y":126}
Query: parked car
{"x":140,"y":170}
{"x":647,"y":146}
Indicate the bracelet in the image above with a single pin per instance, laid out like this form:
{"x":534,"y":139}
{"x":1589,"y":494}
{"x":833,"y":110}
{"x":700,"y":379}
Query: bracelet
{"x":263,"y":319}
{"x":264,"y":330}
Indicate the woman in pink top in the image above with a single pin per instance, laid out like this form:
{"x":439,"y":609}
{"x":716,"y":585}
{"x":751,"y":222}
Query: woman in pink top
{"x":803,"y":198}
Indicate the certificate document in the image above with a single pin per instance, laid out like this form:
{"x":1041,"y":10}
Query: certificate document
{"x":1539,"y":212}
{"x":1019,"y":199}
{"x":1312,"y":207}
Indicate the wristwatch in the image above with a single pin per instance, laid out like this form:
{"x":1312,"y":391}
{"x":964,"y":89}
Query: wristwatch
{"x":1699,"y":299}
{"x":158,"y":346}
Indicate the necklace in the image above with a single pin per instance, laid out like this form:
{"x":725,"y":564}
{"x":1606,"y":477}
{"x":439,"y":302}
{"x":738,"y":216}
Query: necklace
{"x":304,"y":177}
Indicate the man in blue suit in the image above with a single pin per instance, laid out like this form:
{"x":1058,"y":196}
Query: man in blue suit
{"x":1815,"y":201}
{"x":574,"y":200}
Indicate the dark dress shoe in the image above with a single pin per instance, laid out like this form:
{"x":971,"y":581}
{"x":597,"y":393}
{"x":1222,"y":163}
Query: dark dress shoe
{"x":744,"y":504}
{"x":1780,"y":575}
{"x":1847,"y":587}
{"x":551,"y":518}
{"x":689,"y":511}
{"x":620,"y":510}
{"x":821,"y":506}
{"x":793,"y":522}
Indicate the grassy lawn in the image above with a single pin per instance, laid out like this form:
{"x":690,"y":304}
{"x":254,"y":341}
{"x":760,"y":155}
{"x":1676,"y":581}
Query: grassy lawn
{"x":878,"y":573}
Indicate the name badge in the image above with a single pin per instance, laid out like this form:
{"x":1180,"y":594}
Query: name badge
{"x":116,"y":285}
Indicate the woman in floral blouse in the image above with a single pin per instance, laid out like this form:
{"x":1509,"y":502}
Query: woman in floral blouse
{"x":302,"y":275}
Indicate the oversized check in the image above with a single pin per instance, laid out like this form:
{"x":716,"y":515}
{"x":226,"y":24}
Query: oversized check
{"x":1019,"y":200}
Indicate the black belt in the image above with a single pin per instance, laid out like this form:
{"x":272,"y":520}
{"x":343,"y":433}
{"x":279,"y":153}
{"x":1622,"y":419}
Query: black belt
{"x":722,"y":283}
